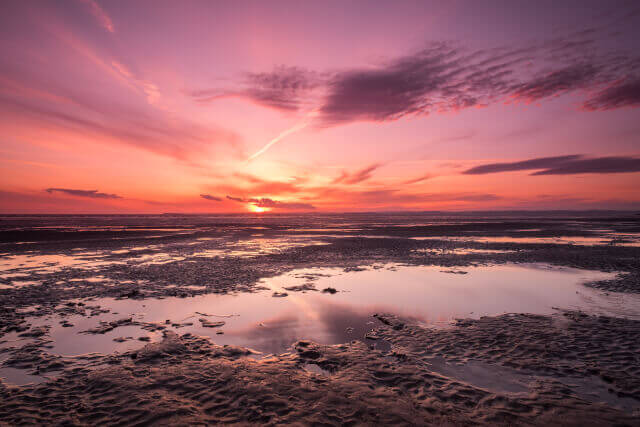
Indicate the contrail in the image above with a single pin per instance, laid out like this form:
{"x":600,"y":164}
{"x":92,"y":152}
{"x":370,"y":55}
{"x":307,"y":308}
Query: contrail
{"x":283,"y":134}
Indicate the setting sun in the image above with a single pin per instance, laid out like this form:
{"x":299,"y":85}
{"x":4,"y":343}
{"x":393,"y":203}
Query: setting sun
{"x":257,"y":209}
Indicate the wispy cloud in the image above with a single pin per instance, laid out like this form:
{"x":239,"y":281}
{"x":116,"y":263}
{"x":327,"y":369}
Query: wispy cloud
{"x":624,"y":93}
{"x":26,"y":96}
{"x":419,"y":179}
{"x":557,"y":82}
{"x":150,"y":90}
{"x":91,"y":194}
{"x":100,"y":15}
{"x":64,"y":98}
{"x":563,"y":165}
{"x":210,"y":197}
{"x":284,"y":88}
{"x":357,"y":176}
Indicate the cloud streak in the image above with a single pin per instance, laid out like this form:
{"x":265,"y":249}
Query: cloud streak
{"x":600,"y":165}
{"x":539,"y":163}
{"x":418,"y":179}
{"x":99,"y":13}
{"x":357,"y":176}
{"x":563,"y":165}
{"x":211,"y":198}
{"x":91,"y":194}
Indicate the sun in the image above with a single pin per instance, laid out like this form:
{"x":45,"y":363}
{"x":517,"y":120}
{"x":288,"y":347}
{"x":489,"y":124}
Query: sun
{"x":257,"y":209}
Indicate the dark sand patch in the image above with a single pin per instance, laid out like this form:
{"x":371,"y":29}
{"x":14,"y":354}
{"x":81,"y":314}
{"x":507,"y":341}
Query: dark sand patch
{"x":625,"y":282}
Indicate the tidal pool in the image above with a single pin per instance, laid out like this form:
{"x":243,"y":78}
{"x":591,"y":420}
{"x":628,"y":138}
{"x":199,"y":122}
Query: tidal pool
{"x":432,"y":296}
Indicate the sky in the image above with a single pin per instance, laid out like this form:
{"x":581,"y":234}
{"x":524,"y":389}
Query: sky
{"x":249,"y":106}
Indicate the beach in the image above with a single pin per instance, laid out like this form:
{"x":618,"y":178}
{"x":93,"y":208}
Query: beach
{"x":350,"y":319}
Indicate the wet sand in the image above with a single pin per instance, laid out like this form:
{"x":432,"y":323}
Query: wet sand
{"x":562,"y":366}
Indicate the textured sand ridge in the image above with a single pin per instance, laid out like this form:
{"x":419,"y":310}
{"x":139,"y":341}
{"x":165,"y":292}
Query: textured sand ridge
{"x":188,"y":380}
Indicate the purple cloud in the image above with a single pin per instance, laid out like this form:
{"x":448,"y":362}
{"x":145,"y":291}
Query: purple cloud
{"x":210,"y":197}
{"x":596,"y":165}
{"x":446,"y":77}
{"x":625,"y":93}
{"x":539,"y":163}
{"x":557,"y":82}
{"x":563,"y":165}
{"x":92,"y":194}
{"x":284,"y":88}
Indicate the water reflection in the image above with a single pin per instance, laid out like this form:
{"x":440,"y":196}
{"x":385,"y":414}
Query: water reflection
{"x":430,"y":295}
{"x":49,"y":263}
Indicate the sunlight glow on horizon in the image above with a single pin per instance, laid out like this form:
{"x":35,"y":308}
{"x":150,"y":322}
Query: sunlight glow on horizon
{"x":257,"y":209}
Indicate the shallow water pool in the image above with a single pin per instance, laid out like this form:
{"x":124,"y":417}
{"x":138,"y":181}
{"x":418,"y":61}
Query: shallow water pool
{"x":433,"y":296}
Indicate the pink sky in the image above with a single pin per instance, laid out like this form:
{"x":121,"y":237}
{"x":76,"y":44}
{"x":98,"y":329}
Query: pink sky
{"x":158,"y":106}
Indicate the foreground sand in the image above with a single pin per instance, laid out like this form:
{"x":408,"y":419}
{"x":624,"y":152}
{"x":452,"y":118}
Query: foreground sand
{"x":187,"y":380}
